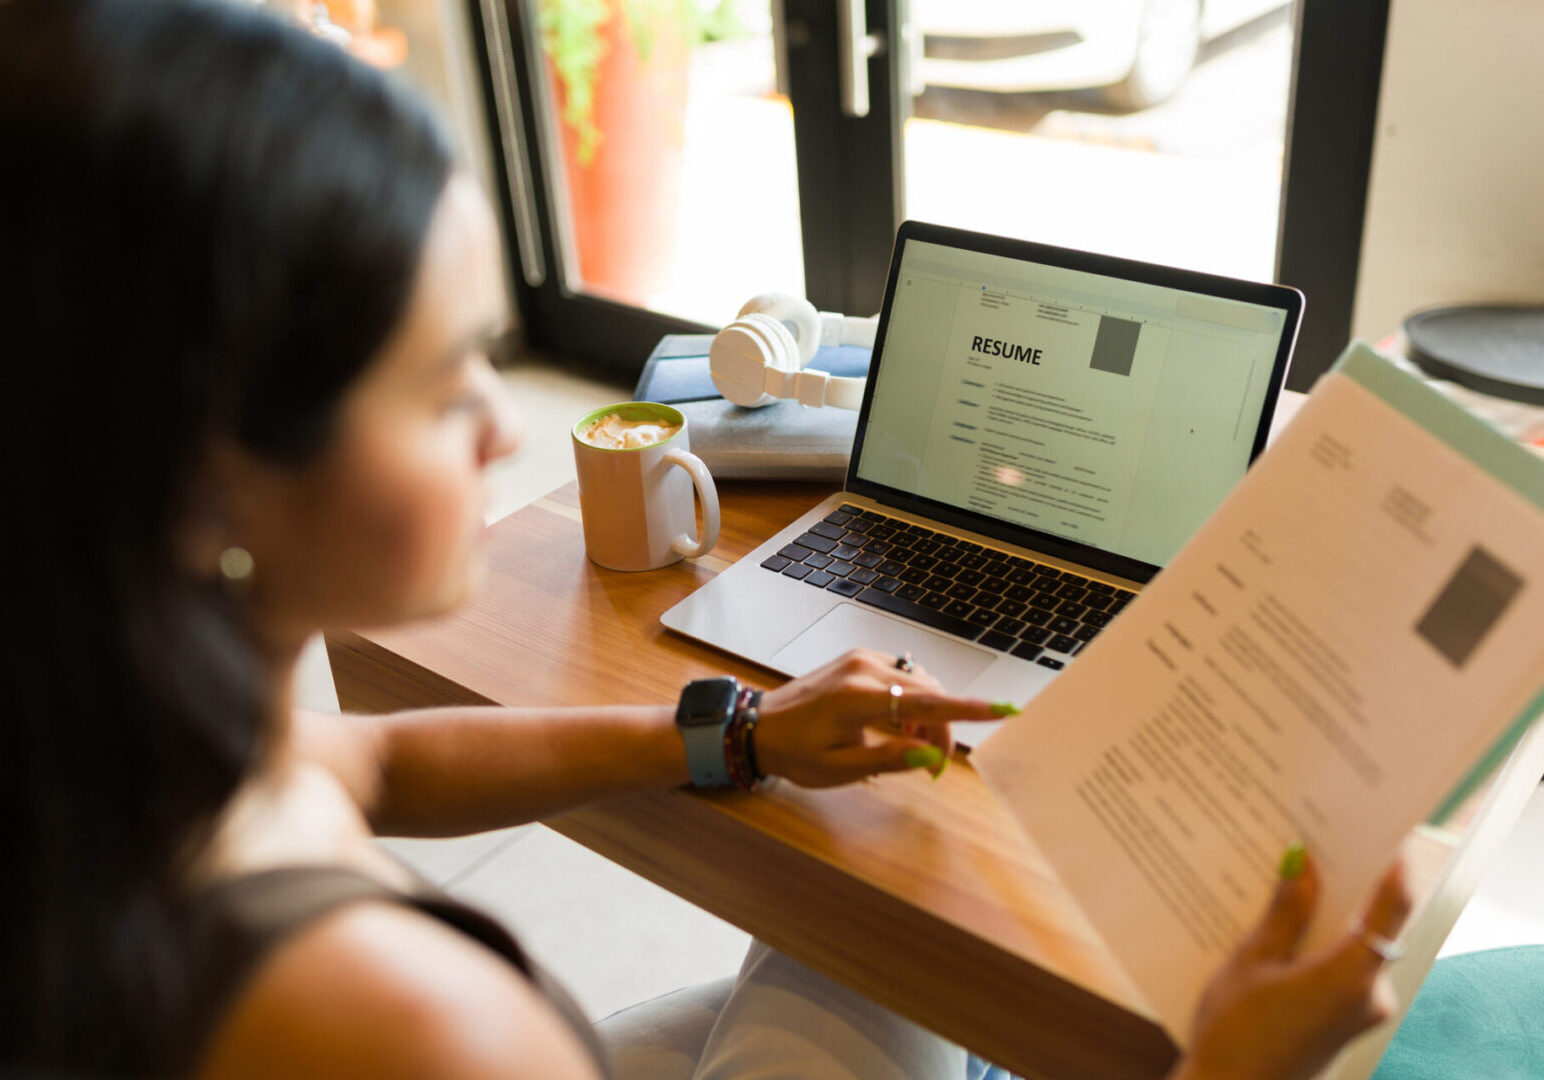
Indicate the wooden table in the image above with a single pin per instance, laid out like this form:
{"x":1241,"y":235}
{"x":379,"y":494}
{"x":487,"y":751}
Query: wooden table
{"x":924,"y":896}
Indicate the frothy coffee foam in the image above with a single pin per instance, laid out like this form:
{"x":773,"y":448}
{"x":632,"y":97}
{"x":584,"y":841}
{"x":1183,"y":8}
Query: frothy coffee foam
{"x":612,"y":432}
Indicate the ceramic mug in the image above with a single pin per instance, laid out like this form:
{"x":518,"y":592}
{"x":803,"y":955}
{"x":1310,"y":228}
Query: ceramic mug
{"x":636,"y":502}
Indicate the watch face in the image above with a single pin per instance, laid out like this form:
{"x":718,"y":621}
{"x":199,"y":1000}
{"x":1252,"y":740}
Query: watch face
{"x":707,"y":701}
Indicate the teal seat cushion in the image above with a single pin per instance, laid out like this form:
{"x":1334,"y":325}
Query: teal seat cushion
{"x":1477,"y":1015}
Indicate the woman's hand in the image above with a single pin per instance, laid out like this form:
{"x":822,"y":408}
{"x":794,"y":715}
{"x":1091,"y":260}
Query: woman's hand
{"x":843,"y":722}
{"x":1272,"y":1014}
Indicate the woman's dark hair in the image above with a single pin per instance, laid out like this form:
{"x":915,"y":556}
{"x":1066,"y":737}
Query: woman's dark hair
{"x":209,"y":223}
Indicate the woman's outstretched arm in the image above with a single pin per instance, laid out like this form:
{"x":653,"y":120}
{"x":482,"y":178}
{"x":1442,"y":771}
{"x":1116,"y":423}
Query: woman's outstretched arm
{"x":446,"y":771}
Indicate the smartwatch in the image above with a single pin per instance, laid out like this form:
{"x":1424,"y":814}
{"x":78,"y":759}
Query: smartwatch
{"x":705,"y":712}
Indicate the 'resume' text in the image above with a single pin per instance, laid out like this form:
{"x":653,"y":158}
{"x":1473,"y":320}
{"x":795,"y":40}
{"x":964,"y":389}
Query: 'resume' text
{"x":1006,"y":349}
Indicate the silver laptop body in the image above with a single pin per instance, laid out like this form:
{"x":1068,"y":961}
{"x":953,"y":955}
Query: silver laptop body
{"x":1041,"y":431}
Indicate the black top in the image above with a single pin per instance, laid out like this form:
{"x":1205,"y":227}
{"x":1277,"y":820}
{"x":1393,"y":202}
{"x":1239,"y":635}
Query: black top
{"x":236,"y":923}
{"x":1494,"y":349}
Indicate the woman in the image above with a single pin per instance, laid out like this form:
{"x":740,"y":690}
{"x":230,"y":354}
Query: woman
{"x":247,"y":300}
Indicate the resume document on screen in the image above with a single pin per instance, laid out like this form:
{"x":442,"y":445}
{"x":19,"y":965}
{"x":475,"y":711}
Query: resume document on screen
{"x":1067,"y":402}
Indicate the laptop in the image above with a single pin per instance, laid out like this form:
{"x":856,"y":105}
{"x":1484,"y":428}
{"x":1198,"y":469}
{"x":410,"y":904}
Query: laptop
{"x":1042,"y":429}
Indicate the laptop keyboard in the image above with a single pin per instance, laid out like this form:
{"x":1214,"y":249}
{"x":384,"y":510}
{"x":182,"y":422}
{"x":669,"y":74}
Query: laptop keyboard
{"x":1008,"y":603}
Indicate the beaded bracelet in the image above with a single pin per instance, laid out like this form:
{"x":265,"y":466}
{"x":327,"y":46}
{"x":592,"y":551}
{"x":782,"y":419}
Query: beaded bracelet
{"x":733,"y":758}
{"x":739,"y":747}
{"x":752,"y":717}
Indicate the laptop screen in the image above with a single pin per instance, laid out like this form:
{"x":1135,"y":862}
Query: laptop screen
{"x":1101,"y":403}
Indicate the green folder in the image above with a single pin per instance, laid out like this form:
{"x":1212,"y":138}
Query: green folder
{"x":1489,"y":449}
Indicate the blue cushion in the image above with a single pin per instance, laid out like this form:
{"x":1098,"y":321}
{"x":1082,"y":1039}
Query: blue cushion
{"x":1477,"y":1015}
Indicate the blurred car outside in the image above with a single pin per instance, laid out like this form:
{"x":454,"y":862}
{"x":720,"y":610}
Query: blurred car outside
{"x":1134,"y":53}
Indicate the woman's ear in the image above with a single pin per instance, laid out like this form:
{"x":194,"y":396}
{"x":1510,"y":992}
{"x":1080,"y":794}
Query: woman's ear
{"x":198,"y":543}
{"x":220,"y":508}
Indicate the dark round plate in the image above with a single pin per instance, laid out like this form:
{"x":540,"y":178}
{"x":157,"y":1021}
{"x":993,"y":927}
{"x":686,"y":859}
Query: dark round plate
{"x":1493,"y":349}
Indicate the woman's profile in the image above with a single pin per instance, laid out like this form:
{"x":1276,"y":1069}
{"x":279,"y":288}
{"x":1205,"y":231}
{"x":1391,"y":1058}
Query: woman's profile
{"x":247,"y":298}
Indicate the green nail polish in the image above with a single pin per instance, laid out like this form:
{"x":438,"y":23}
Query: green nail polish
{"x":1294,"y":862}
{"x":923,"y":757}
{"x":1004,"y":708}
{"x":943,"y":764}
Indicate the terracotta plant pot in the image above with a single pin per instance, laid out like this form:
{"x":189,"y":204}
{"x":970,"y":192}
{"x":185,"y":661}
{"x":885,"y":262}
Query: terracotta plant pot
{"x":625,"y":196}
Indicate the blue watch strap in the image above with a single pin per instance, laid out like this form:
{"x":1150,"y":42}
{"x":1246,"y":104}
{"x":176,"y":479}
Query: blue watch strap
{"x":705,"y":754}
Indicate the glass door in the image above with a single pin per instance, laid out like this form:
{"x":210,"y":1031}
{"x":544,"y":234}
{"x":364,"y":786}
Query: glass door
{"x":677,"y":153}
{"x":667,"y":159}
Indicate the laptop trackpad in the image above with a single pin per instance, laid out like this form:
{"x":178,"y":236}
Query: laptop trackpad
{"x":949,"y":660}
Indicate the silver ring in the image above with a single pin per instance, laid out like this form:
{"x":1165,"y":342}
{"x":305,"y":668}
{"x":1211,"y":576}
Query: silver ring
{"x":1388,"y":949}
{"x":903,"y":663}
{"x":895,"y":705}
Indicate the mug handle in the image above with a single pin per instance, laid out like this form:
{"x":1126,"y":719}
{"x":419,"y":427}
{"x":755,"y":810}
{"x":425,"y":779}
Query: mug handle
{"x":707,"y":494}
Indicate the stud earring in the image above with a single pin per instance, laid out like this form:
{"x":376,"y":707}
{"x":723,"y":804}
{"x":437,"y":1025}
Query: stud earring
{"x":236,"y":566}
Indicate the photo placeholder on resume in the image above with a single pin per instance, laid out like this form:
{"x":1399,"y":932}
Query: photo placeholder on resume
{"x":1115,"y":345}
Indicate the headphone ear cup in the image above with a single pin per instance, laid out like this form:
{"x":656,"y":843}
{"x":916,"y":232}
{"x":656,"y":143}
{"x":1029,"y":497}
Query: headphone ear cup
{"x":782,"y":346}
{"x":741,"y":353}
{"x":796,"y":314}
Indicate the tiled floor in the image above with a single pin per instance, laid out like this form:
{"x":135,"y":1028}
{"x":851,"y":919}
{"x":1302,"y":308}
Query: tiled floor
{"x":615,"y":939}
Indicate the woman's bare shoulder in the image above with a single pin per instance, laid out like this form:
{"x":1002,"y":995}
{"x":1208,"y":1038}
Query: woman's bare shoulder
{"x":382,"y":991}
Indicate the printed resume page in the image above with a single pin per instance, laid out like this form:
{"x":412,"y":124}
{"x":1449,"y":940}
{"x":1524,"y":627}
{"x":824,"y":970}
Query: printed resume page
{"x":1344,"y":639}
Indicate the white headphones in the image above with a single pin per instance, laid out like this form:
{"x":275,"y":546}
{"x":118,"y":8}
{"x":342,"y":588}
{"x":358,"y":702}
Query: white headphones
{"x":760,"y":357}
